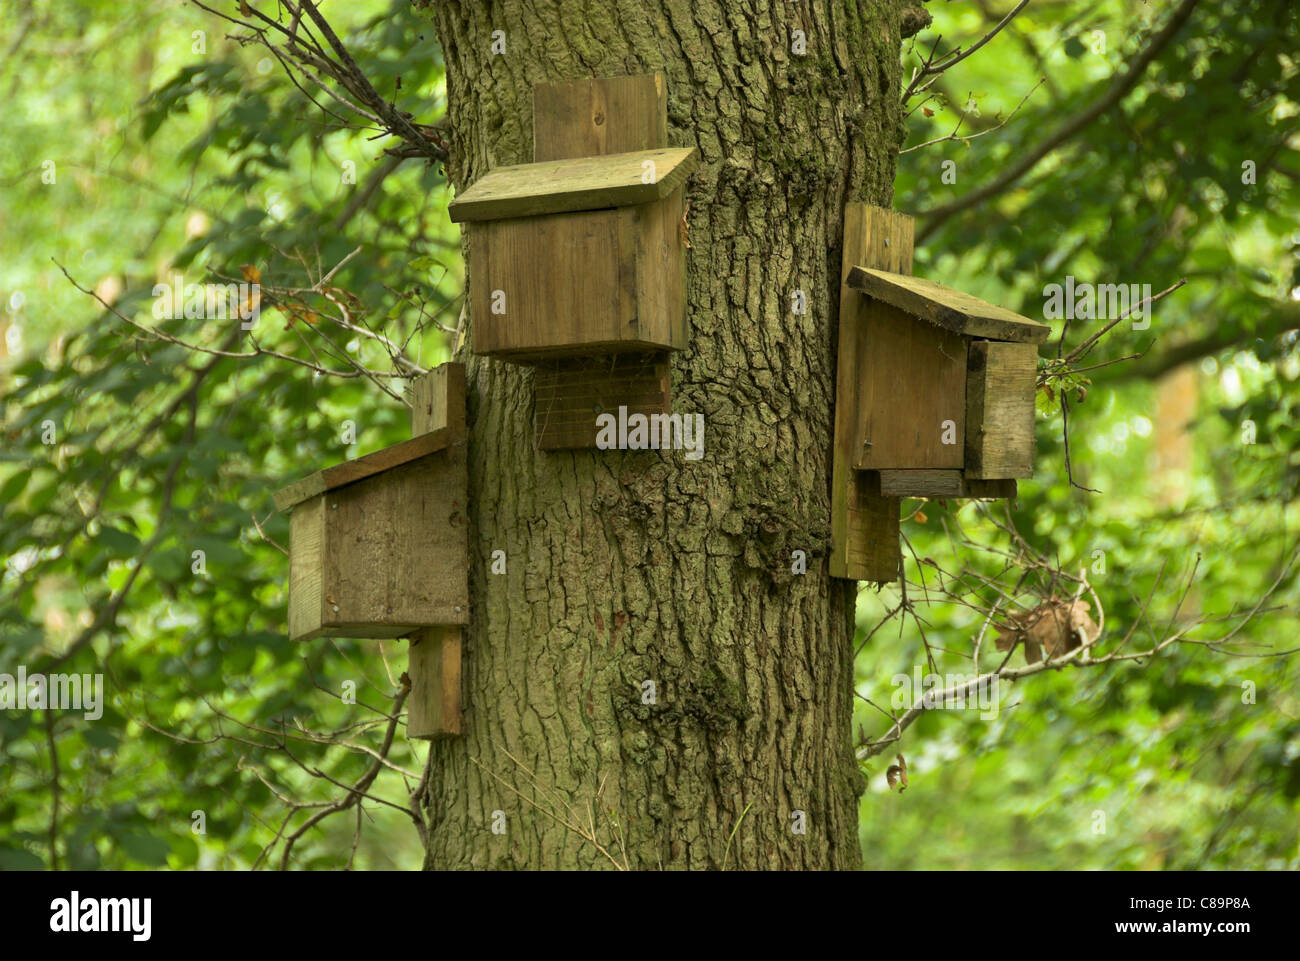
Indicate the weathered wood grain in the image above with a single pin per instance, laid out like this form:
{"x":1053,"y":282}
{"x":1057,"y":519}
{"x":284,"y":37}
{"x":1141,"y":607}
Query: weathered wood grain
{"x":1000,"y":385}
{"x":661,"y":270}
{"x":615,"y":115}
{"x":349,"y":472}
{"x":942,"y":483}
{"x":599,"y":115}
{"x":622,"y":287}
{"x":438,"y":402}
{"x":591,"y":283}
{"x":385,"y":550}
{"x":378,"y":546}
{"x":434,"y":667}
{"x":567,"y":282}
{"x":864,"y":525}
{"x":306,"y":568}
{"x":912,"y":382}
{"x":610,"y":115}
{"x":950,"y":309}
{"x":394,"y":557}
{"x":575,"y":183}
{"x":873,"y":551}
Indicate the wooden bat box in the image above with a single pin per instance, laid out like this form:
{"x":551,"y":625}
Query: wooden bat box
{"x":934,"y":394}
{"x":378,"y":546}
{"x":578,"y":256}
{"x":945,"y":399}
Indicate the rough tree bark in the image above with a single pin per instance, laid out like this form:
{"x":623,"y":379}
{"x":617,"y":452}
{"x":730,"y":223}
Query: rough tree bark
{"x":628,"y":566}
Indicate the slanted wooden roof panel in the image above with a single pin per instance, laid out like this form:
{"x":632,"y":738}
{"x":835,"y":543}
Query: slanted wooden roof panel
{"x":575,"y":183}
{"x":349,"y":472}
{"x":948,"y":308}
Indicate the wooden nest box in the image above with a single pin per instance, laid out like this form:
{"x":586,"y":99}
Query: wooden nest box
{"x":378,"y":546}
{"x":946,"y":389}
{"x":577,"y":261}
{"x":934,"y":395}
{"x":578,"y":256}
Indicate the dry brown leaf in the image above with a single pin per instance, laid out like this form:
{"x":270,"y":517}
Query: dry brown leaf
{"x":897,"y":774}
{"x":1055,"y":626}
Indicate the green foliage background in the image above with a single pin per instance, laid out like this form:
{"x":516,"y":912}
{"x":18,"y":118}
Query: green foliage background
{"x":171,"y":158}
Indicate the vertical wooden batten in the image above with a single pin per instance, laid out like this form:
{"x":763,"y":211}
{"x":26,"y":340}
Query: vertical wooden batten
{"x":1000,"y":409}
{"x":434,"y":706}
{"x":584,"y":118}
{"x":864,"y":524}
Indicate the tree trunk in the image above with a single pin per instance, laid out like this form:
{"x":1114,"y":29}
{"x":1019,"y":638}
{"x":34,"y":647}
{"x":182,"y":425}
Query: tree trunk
{"x":623,"y":567}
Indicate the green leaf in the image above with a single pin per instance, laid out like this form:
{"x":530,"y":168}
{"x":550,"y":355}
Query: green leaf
{"x":14,"y":486}
{"x":145,"y":848}
{"x":19,"y":859}
{"x":118,"y":541}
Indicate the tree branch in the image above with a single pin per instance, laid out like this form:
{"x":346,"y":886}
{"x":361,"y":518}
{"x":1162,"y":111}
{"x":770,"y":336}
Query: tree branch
{"x":957,"y":56}
{"x":1118,"y":89}
{"x":1285,"y":317}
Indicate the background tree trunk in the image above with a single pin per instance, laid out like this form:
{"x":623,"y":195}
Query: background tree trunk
{"x":632,"y":566}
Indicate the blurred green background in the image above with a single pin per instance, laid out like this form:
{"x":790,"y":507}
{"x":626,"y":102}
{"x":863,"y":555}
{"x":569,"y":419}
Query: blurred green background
{"x":173,"y":147}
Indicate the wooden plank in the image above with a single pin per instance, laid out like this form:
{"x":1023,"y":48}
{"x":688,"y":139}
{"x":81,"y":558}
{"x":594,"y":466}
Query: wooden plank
{"x":1000,"y":410}
{"x":395,"y":551}
{"x":942,"y":484}
{"x":350,"y":472}
{"x":912,"y":395}
{"x":661,"y":271}
{"x":950,"y":309}
{"x":569,"y":395}
{"x":864,"y":525}
{"x":575,"y":183}
{"x":599,"y":115}
{"x":556,"y":311}
{"x":874,"y":551}
{"x":438,"y":401}
{"x":306,"y":569}
{"x":434,"y":668}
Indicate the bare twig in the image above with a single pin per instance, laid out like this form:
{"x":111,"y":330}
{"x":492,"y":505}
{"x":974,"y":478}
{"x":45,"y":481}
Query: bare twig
{"x":969,"y":137}
{"x":956,"y":56}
